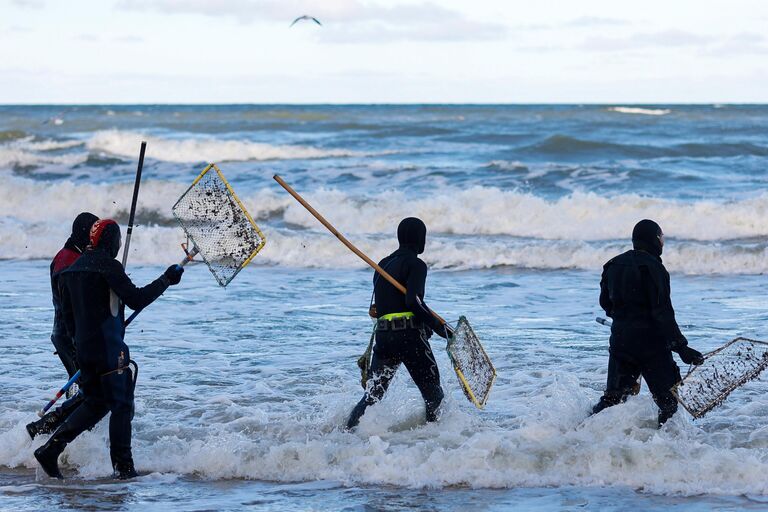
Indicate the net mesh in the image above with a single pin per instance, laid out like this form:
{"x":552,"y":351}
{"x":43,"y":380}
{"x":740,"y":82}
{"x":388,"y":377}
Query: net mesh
{"x":707,"y":385}
{"x":472,"y":365}
{"x":218,"y":225}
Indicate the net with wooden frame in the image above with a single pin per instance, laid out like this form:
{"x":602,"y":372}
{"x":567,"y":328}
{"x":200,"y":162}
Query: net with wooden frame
{"x":725,"y":369}
{"x":472,"y":365}
{"x":218,"y":225}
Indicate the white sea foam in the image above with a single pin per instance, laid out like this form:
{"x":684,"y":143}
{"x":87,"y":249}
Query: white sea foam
{"x":641,"y":111}
{"x":202,"y":149}
{"x":472,"y":228}
{"x":550,"y":443}
{"x":30,"y":152}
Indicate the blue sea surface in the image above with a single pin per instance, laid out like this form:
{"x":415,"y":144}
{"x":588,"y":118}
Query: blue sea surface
{"x":243,"y":390}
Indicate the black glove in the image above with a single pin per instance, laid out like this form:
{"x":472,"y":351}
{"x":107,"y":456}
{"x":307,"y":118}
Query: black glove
{"x":690,"y":356}
{"x":173,"y":274}
{"x":444,"y":331}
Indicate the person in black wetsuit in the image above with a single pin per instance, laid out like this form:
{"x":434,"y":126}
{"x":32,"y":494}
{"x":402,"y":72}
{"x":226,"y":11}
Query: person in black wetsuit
{"x":635,"y":293}
{"x":62,"y":342}
{"x":94,"y":291}
{"x":404,"y":325}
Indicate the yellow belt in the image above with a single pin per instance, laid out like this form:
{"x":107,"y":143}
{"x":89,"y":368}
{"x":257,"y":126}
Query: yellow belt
{"x":392,"y":316}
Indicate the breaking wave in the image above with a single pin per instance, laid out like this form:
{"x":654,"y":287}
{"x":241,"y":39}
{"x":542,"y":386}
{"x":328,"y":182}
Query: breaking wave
{"x":203,"y":149}
{"x":470,"y":229}
{"x":641,"y":111}
{"x":18,"y":149}
{"x":580,"y":216}
{"x":549,"y":443}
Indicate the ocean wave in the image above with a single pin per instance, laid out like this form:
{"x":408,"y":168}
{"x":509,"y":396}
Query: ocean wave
{"x":159,"y":245}
{"x":6,"y":135}
{"x":30,"y":152}
{"x":567,"y":146}
{"x":641,"y":111}
{"x":551,"y":443}
{"x":106,"y":145}
{"x":474,"y":211}
{"x":203,"y":149}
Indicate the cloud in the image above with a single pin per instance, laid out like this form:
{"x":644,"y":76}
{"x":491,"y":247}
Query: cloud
{"x":29,"y":4}
{"x":88,"y":38}
{"x":596,"y":21}
{"x":128,"y":39}
{"x":666,"y":38}
{"x":343,"y":20}
{"x":745,"y":43}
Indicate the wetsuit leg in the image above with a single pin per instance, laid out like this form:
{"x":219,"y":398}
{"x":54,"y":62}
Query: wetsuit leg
{"x":118,"y":394}
{"x":661,"y":373}
{"x":65,"y":348}
{"x":85,"y":417}
{"x":622,"y":378}
{"x":421,"y":364}
{"x":383,"y":368}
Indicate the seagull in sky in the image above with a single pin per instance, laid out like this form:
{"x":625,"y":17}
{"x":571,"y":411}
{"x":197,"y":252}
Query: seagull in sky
{"x":307,"y":18}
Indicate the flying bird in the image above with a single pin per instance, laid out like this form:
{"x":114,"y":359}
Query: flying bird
{"x":307,"y":18}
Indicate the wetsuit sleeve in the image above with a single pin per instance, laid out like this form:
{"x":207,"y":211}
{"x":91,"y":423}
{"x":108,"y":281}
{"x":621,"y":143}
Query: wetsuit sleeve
{"x":662,"y":313}
{"x":132,"y":296}
{"x":415,"y":285}
{"x":605,"y":296}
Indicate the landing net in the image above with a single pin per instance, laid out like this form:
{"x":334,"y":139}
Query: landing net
{"x":472,"y":365}
{"x":707,"y":385}
{"x":218,"y":225}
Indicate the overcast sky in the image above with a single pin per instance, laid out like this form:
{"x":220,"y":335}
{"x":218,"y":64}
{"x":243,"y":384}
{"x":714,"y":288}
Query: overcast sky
{"x":376,"y":51}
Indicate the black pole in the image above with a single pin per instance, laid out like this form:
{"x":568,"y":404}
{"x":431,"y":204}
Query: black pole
{"x":133,"y":203}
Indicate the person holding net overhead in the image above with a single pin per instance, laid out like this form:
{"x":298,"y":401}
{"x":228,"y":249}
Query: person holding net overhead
{"x":635,"y":293}
{"x":403,"y":326}
{"x":93,"y":292}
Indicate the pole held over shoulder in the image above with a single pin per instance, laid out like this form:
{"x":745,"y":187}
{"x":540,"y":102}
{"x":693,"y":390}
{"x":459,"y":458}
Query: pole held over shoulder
{"x":383,"y":273}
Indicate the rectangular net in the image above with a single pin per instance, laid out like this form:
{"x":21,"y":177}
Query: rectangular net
{"x":472,"y":365}
{"x":218,"y":225}
{"x":707,"y":385}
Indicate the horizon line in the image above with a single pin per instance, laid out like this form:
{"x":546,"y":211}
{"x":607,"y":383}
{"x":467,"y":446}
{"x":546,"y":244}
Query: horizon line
{"x":372,"y":104}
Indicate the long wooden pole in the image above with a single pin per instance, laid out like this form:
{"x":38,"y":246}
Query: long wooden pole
{"x":383,"y":273}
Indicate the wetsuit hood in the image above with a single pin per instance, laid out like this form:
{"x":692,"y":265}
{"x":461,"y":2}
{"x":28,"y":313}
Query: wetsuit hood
{"x":105,"y":236}
{"x":412,"y":234}
{"x":647,"y":237}
{"x":81,"y":229}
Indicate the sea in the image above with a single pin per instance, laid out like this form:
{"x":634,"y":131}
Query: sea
{"x":243,"y":391}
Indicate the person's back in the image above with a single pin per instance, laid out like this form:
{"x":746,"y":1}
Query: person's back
{"x":97,"y":314}
{"x":404,"y":325}
{"x":635,"y":293}
{"x":93,"y":291}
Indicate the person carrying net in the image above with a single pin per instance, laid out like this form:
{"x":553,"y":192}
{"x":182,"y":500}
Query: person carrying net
{"x":93,"y":292}
{"x":403,"y":326}
{"x":635,"y":293}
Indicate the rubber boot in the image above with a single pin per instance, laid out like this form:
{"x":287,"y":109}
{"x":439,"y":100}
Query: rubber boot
{"x":48,"y":456}
{"x":357,"y":413}
{"x":667,"y":409}
{"x":44,"y":425}
{"x":123,"y":468}
{"x":51,"y":421}
{"x":433,"y":406}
